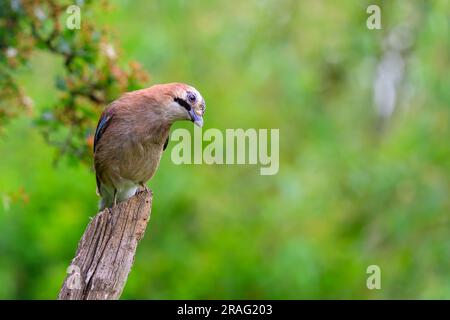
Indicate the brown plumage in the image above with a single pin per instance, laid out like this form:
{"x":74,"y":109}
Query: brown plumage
{"x":133,"y":132}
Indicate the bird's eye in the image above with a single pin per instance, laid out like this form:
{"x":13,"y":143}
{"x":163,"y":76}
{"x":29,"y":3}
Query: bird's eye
{"x":191,"y":97}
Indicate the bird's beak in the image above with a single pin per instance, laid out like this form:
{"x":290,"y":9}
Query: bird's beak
{"x":196,"y":117}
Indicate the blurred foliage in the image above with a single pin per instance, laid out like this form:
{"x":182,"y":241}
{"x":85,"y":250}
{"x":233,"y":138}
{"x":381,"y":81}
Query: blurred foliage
{"x":356,"y":186}
{"x":92,"y":75}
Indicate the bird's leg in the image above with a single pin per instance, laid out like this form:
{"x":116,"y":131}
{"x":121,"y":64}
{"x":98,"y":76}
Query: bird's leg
{"x":143,"y":186}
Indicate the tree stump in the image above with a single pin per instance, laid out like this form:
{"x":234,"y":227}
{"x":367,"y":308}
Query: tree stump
{"x":106,"y":251}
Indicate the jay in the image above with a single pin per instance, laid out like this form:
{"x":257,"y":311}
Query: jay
{"x":132,"y":133}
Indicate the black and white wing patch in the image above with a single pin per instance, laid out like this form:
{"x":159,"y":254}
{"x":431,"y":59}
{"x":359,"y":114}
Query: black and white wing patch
{"x":101,"y":126}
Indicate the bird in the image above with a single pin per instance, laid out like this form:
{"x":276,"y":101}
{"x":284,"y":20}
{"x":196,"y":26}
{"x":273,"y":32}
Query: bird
{"x":132,"y":133}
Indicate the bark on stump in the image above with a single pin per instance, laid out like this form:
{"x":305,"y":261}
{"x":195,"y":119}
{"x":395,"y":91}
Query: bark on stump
{"x":106,"y":251}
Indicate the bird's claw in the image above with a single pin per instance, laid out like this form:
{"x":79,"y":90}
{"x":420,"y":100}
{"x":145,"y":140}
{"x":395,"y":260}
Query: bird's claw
{"x":142,"y":188}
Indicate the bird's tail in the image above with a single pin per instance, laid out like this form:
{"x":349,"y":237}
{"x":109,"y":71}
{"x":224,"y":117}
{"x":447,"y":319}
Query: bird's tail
{"x":107,"y":198}
{"x":111,"y":195}
{"x":104,"y":203}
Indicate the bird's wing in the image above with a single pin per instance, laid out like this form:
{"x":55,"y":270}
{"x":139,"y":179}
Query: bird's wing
{"x":166,"y":143}
{"x":103,"y":123}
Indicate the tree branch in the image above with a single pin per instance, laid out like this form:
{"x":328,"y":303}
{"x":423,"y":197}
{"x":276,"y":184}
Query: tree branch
{"x":106,"y":251}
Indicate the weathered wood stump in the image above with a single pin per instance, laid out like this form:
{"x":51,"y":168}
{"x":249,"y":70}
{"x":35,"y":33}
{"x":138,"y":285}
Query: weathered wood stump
{"x":106,"y":251}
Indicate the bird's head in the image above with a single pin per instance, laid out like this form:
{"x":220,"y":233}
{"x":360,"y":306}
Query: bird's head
{"x":181,"y":102}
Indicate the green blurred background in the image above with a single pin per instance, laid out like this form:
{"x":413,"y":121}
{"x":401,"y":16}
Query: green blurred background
{"x":358,"y":184}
